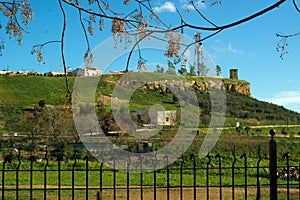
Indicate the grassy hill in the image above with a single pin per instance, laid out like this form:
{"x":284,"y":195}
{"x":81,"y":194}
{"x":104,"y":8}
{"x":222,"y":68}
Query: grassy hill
{"x":18,"y":93}
{"x":20,"y":113}
{"x":22,"y":91}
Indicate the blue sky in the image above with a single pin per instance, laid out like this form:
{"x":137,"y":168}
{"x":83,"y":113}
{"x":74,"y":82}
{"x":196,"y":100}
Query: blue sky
{"x":249,"y":47}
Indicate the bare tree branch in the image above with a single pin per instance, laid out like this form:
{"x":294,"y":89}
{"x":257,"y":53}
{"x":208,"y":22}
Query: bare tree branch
{"x":88,"y":53}
{"x":97,"y":14}
{"x":69,"y":95}
{"x":49,"y":42}
{"x":296,"y":6}
{"x":198,"y":11}
{"x":287,"y":36}
{"x":272,"y":7}
{"x":149,"y":8}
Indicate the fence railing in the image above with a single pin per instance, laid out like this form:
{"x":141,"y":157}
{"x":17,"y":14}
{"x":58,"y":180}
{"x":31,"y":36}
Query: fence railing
{"x":213,"y":178}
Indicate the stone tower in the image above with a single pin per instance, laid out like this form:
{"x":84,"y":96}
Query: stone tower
{"x":234,"y":74}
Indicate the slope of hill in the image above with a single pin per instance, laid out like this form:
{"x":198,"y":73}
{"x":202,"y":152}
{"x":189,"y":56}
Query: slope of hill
{"x":21,"y":92}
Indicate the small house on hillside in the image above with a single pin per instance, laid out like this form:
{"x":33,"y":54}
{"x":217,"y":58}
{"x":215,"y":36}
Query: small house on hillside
{"x":4,"y":72}
{"x":165,"y":118}
{"x":88,"y":71}
{"x":51,"y":73}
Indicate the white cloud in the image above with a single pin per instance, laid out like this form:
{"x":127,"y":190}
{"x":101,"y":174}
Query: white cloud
{"x":166,"y":7}
{"x":200,"y":4}
{"x":220,"y":48}
{"x":233,"y":50}
{"x":288,"y":99}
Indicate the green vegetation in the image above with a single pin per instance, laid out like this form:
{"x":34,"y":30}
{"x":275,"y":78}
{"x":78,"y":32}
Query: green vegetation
{"x":34,"y":106}
{"x":23,"y":91}
{"x":25,"y":100}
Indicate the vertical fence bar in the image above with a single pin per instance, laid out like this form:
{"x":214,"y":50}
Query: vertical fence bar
{"x":181,"y":178}
{"x":141,"y":177}
{"x":207,"y":176}
{"x":258,"y":193}
{"x":59,"y":158}
{"x":195,"y":176}
{"x":220,"y":174}
{"x":232,"y":172}
{"x":101,"y":176}
{"x":168,"y":177}
{"x":73,"y":167}
{"x":154,"y":175}
{"x":286,"y":156}
{"x":86,"y":177}
{"x":114,"y":178}
{"x":58,"y":171}
{"x":73,"y":174}
{"x":273,"y":166}
{"x":299,"y":181}
{"x":31,"y":158}
{"x":45,"y":174}
{"x":3,"y":175}
{"x":246,"y":175}
{"x":128,"y":178}
{"x":17,"y":174}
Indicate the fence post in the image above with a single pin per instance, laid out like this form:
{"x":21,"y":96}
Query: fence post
{"x":273,"y":166}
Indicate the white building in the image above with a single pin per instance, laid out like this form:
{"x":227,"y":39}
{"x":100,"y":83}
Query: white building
{"x":52,"y":73}
{"x":3,"y":72}
{"x":88,"y":71}
{"x":165,"y":118}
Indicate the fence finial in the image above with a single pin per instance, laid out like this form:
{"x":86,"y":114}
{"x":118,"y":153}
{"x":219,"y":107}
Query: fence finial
{"x":272,"y":133}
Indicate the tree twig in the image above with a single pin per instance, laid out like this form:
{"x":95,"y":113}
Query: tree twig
{"x":69,"y":95}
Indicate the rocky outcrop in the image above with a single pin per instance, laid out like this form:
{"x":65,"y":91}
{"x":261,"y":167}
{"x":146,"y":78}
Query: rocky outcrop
{"x":200,"y":84}
{"x":239,"y":87}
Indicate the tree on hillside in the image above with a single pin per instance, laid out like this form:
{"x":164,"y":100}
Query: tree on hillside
{"x":218,"y":70}
{"x":159,"y":69}
{"x":171,"y":68}
{"x":130,"y":23}
{"x":192,"y":71}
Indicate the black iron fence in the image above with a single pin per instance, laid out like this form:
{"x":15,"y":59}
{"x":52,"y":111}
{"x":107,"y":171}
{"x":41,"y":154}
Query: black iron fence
{"x":215,"y":177}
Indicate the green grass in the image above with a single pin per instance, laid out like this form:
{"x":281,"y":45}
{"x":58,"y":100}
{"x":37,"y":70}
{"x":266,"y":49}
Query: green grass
{"x":25,"y":91}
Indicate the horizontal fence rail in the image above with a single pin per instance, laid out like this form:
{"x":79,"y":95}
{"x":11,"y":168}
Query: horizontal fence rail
{"x":42,"y":176}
